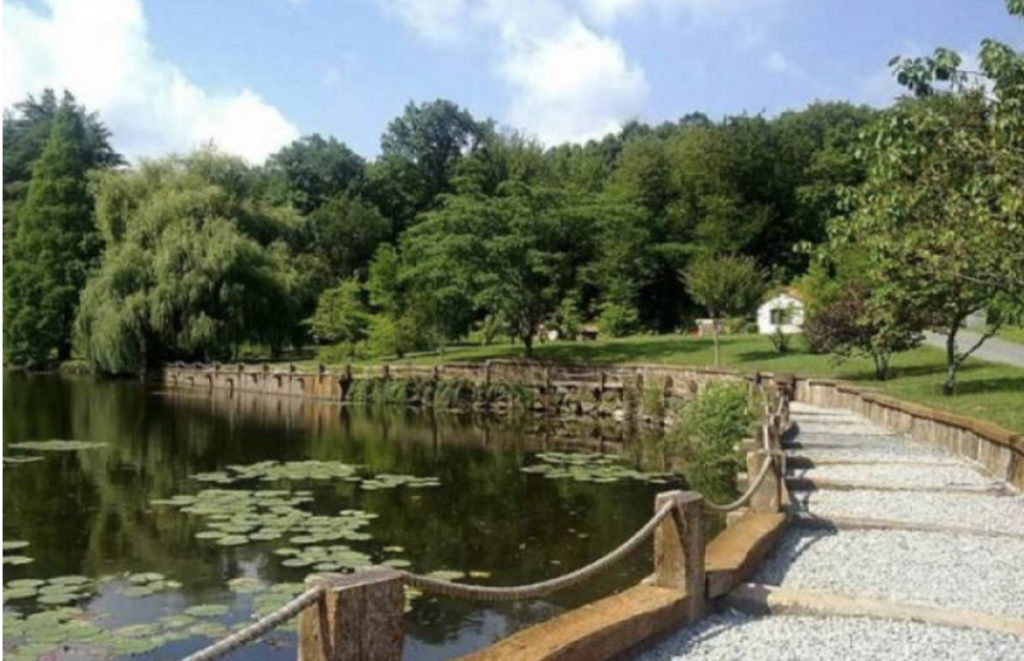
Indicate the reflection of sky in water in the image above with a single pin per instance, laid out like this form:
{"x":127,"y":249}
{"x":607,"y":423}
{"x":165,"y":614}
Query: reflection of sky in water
{"x":89,"y":513}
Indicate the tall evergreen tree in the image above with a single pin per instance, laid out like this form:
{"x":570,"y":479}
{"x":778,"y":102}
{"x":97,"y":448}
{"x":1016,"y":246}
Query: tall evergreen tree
{"x":55,"y":244}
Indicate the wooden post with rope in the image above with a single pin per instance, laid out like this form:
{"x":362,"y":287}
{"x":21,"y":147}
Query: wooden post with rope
{"x":679,"y":549}
{"x":358,"y":618}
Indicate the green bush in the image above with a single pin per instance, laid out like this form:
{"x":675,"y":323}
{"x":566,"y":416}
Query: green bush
{"x":709,"y":427}
{"x":342,"y":352}
{"x":617,"y":319}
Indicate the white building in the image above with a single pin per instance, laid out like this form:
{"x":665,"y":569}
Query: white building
{"x":783,"y":312}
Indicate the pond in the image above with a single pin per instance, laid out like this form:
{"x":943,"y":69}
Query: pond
{"x":128,"y":554}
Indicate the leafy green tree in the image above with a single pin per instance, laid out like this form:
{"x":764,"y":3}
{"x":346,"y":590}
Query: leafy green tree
{"x":419,"y":152}
{"x":54,"y":247}
{"x":941,"y":212}
{"x":27,"y":127}
{"x":725,"y":286}
{"x":195,"y":265}
{"x":340,"y":315}
{"x":345,"y":232}
{"x":312,"y":170}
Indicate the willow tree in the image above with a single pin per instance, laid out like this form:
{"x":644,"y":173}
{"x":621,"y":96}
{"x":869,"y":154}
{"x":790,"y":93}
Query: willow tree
{"x":194,"y":265}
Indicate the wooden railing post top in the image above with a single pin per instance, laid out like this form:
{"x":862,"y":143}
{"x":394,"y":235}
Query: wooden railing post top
{"x":365,"y":576}
{"x":678,"y":495}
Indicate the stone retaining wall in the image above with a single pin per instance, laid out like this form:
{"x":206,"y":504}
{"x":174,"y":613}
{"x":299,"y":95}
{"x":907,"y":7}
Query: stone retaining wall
{"x":622,"y":391}
{"x":999,"y":450}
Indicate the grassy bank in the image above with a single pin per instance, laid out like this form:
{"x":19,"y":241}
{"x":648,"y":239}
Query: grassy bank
{"x":985,"y":390}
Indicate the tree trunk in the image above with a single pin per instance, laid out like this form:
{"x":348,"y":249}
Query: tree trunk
{"x":714,"y":334}
{"x":951,"y":363}
{"x":528,"y":344}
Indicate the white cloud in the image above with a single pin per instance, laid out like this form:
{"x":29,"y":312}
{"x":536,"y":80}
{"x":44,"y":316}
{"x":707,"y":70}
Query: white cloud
{"x":99,"y":51}
{"x":567,"y":82}
{"x":573,"y":85}
{"x":776,"y":62}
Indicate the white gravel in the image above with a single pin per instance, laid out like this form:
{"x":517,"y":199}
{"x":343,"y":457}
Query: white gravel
{"x":890,"y":452}
{"x":732,"y":636}
{"x":904,"y":475}
{"x":891,"y":445}
{"x":987,"y":512}
{"x":978,"y":573}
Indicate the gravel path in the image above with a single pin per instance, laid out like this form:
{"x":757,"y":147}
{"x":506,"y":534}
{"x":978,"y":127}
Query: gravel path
{"x":969,"y":571}
{"x":899,"y":475}
{"x":732,"y":636}
{"x":987,"y":512}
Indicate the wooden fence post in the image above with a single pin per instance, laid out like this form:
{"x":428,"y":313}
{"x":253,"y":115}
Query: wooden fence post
{"x":359,"y":619}
{"x":679,"y":549}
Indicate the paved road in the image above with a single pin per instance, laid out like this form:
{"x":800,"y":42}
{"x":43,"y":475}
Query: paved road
{"x":941,"y":539}
{"x":994,"y":349}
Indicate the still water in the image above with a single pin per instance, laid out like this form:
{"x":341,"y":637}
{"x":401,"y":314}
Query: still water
{"x":88,"y":513}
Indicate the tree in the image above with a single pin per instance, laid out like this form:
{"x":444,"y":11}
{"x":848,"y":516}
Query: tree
{"x":345,"y":232}
{"x":940,"y":212}
{"x":419,"y":153}
{"x":27,"y":128}
{"x":847,"y":325}
{"x":312,"y":170}
{"x":195,"y":265}
{"x":53,"y":249}
{"x":340,"y":314}
{"x":726,"y":286}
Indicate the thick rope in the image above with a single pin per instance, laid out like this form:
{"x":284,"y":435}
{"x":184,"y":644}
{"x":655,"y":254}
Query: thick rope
{"x":260,"y":627}
{"x":742,"y":500}
{"x":533,"y":590}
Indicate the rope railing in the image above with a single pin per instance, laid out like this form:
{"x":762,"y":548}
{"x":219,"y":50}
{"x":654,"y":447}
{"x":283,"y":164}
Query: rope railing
{"x":742,"y":500}
{"x":260,"y":627}
{"x":533,"y":590}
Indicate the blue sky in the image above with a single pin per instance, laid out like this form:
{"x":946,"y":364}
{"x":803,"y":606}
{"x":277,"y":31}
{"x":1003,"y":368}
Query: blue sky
{"x":252,"y":75}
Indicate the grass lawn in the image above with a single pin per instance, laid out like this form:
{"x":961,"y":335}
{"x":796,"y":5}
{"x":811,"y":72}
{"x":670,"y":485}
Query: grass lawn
{"x":984,"y":390}
{"x":1012,"y":333}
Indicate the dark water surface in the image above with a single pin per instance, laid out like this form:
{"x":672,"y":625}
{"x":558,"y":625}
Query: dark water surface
{"x":88,"y":512}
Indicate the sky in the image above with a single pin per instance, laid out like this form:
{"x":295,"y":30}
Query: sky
{"x":253,"y":75}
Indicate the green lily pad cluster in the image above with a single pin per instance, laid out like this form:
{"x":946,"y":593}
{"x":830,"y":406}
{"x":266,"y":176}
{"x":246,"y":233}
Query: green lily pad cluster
{"x":590,"y":467}
{"x":67,"y":630}
{"x":144,"y":584}
{"x":324,"y":558}
{"x":236,"y":517}
{"x":57,"y":445}
{"x":14,"y":559}
{"x":389,"y":481}
{"x":273,"y":471}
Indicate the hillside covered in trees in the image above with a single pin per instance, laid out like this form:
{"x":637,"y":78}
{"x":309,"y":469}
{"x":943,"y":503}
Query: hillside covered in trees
{"x":461,"y":227}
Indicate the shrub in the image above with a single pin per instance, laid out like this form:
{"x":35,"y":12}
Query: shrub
{"x":618,"y":319}
{"x":342,"y":352}
{"x":709,"y":427}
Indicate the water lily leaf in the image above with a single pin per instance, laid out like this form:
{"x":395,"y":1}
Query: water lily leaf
{"x":17,"y":560}
{"x":14,"y":545}
{"x":26,"y":583}
{"x":233,"y":540}
{"x":57,"y":445}
{"x":207,"y":610}
{"x":245,"y":585}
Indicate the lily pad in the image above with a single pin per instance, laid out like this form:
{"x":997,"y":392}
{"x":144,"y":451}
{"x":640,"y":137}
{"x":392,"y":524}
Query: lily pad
{"x":56,"y":445}
{"x":17,"y":560}
{"x":14,"y":545}
{"x":245,"y":585}
{"x":207,"y":610}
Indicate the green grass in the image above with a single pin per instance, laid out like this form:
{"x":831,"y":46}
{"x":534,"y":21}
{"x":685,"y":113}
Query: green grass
{"x":984,"y":390}
{"x":1012,"y":333}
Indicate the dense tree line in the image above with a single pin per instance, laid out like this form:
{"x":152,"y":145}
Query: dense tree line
{"x":895,"y":220}
{"x":455,"y":227}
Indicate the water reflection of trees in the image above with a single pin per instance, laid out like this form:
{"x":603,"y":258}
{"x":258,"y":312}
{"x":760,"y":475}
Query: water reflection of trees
{"x":88,"y":512}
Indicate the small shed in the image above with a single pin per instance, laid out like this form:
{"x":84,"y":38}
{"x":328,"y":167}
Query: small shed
{"x":783,"y":312}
